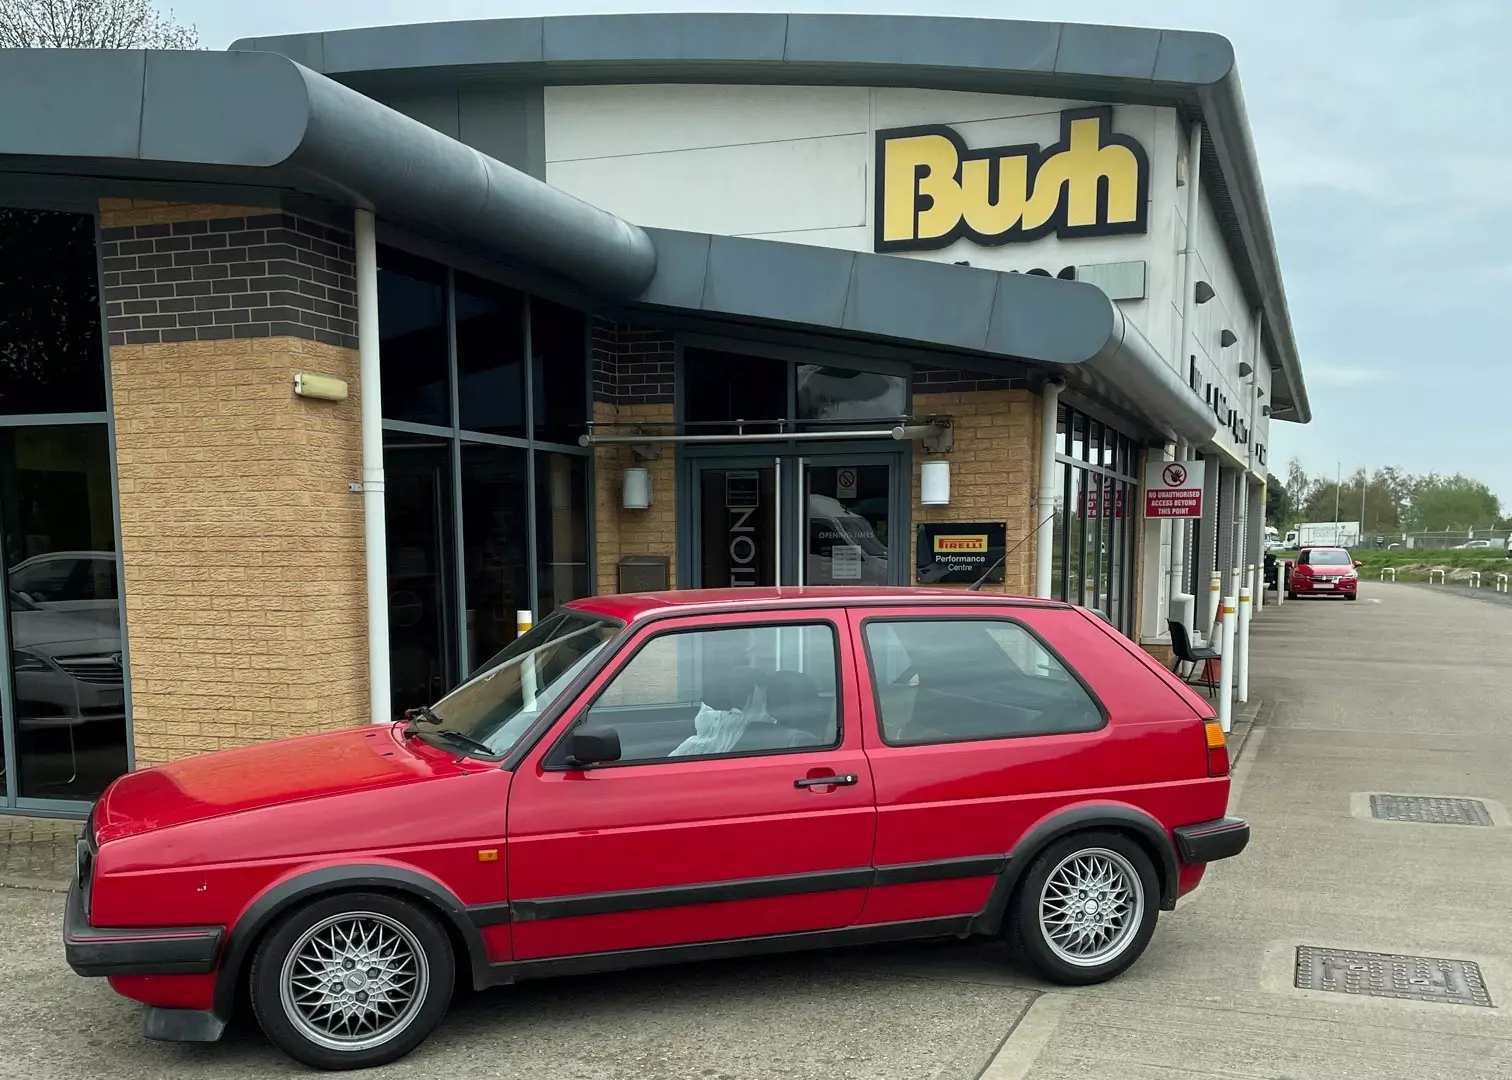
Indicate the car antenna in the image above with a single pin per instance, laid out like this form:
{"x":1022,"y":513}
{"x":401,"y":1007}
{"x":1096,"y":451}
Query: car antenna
{"x":976,"y":586}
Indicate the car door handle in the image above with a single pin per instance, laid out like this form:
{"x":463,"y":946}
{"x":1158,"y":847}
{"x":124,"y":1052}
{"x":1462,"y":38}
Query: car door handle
{"x":843,"y":780}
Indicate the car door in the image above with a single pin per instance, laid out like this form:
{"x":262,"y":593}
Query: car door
{"x":976,"y":728}
{"x":717,"y":822}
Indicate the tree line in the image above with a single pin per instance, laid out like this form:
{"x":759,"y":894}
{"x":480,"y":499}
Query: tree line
{"x":1394,"y":501}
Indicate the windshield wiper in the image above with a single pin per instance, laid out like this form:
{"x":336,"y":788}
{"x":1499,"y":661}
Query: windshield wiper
{"x":461,"y":738}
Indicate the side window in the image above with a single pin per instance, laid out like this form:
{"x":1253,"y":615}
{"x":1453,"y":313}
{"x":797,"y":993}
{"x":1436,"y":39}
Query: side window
{"x":955,"y":680}
{"x":711,"y":693}
{"x":46,"y":582}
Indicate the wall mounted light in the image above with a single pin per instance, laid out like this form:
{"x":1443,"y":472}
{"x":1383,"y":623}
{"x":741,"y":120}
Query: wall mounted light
{"x":1227,"y":338}
{"x":1204,"y":292}
{"x":320,"y":387}
{"x":934,"y":483}
{"x":637,"y":489}
{"x":1245,"y":369}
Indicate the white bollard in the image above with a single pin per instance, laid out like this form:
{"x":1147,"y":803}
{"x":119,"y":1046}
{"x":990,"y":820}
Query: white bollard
{"x":1255,"y":579}
{"x":529,"y":689}
{"x":1501,"y":583}
{"x":1281,"y":572}
{"x":1475,"y":579}
{"x":1242,"y":645}
{"x":1440,"y":573}
{"x":1388,"y":570}
{"x":1226,"y":666}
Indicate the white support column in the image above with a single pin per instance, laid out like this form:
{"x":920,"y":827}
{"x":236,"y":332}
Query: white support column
{"x":1049,"y":495}
{"x":1241,"y":647}
{"x":375,"y":536}
{"x":1226,"y":666}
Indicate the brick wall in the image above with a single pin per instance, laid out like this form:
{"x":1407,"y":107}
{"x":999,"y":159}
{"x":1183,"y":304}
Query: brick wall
{"x":241,"y":545}
{"x":239,"y":273}
{"x":994,"y":470}
{"x":634,"y":379}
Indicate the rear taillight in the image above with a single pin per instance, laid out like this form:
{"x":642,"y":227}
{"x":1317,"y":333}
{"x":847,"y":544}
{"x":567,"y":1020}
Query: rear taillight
{"x":1217,"y":748}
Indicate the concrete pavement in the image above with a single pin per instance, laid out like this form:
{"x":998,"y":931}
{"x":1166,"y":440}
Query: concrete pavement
{"x":1405,"y":691}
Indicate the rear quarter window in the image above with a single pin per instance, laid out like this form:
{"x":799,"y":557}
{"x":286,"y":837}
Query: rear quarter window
{"x":948,"y":679}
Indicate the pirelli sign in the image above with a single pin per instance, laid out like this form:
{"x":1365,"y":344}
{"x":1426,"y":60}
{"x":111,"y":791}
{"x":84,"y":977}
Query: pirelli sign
{"x":962,"y":554}
{"x":933,"y":189}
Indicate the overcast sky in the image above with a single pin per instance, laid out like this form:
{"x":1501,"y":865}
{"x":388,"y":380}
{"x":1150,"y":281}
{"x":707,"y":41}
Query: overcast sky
{"x":1386,"y":151}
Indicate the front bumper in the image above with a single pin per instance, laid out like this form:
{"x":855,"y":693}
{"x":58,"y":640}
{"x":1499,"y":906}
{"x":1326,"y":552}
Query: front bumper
{"x":100,"y":951}
{"x":1308,"y":587}
{"x":1212,"y":840}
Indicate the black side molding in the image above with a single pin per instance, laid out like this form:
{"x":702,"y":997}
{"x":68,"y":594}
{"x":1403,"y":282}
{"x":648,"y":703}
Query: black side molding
{"x":1212,"y":840}
{"x":627,"y":959}
{"x":99,"y":951}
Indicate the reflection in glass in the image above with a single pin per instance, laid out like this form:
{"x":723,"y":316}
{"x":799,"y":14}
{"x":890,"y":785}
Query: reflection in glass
{"x":847,"y":526}
{"x":722,"y":387}
{"x":490,"y":357}
{"x":1058,"y":533}
{"x":559,"y":371}
{"x":561,"y":529}
{"x":495,"y":546}
{"x":418,"y":507}
{"x":412,"y":337}
{"x":827,"y":393}
{"x":737,"y":510}
{"x":51,"y":360}
{"x":66,"y":659}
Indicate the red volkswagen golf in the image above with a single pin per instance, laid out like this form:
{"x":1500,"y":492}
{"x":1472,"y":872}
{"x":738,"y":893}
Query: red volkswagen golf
{"x":660,"y":778}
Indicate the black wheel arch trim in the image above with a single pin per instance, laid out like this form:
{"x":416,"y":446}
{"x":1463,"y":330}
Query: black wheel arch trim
{"x":1114,"y":816}
{"x":330,"y":880}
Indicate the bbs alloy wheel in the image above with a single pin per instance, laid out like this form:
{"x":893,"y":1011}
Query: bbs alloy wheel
{"x":352,"y":981}
{"x":1085,"y":909}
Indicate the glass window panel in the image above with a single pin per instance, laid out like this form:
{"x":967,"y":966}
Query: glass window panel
{"x":1094,"y":442}
{"x":717,"y":693}
{"x":1078,"y":436}
{"x":738,"y":522}
{"x":721,"y":387}
{"x":840,"y":394}
{"x":847,"y":512}
{"x":1091,"y":541}
{"x":413,"y":339}
{"x":561,"y":529}
{"x":1075,"y":532}
{"x":559,"y":371}
{"x":490,"y":357}
{"x":974,"y":679}
{"x":51,"y":357}
{"x":420,"y":512}
{"x":59,"y":537}
{"x":1058,"y":537}
{"x":495,"y":546}
{"x":1062,"y":429}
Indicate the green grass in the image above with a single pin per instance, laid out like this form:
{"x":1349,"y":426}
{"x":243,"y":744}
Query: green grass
{"x":1413,"y":564}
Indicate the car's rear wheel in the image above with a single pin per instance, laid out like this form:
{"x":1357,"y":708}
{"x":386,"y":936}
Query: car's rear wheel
{"x":352,"y":981}
{"x":1086,"y":909}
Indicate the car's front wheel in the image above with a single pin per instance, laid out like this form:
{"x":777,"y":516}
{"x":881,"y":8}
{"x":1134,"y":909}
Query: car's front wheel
{"x":1086,"y":908}
{"x":352,"y":981}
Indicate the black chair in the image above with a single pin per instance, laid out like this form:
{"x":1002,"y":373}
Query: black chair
{"x":1186,"y":653}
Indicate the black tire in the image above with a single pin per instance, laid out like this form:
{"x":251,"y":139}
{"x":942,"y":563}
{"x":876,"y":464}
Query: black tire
{"x":1352,"y":596}
{"x":434,"y":968}
{"x":1027,"y":939}
{"x":1290,"y":595}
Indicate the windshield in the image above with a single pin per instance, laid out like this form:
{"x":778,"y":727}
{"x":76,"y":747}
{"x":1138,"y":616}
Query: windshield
{"x":1329,"y":558}
{"x":498,"y":704}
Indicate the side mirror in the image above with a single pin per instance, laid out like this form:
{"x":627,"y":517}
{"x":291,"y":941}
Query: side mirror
{"x":1358,"y":564}
{"x":592,"y":746}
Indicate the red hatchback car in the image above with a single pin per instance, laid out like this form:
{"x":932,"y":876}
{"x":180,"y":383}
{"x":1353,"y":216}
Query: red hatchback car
{"x":658,"y":778}
{"x":1324,"y":571}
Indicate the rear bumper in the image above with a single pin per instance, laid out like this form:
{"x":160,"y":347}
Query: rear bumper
{"x":1212,"y":840}
{"x":100,"y":951}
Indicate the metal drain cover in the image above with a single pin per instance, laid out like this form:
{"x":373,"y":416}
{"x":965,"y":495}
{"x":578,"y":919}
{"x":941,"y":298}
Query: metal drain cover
{"x":1417,"y":978}
{"x":1429,"y":810}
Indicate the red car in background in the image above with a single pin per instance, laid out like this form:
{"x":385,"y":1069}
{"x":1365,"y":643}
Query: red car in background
{"x":1324,"y":571}
{"x":659,"y":778}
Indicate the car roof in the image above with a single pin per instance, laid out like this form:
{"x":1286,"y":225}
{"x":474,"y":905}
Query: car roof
{"x":629,"y":607}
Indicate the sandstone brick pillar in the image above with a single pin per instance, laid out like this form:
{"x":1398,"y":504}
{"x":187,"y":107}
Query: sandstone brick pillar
{"x":242,"y":545}
{"x":994,"y":470}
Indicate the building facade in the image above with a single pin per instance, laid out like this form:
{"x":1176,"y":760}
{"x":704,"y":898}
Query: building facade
{"x":327,"y":361}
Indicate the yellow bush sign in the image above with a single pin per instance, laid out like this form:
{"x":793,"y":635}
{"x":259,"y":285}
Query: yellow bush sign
{"x":932,"y":190}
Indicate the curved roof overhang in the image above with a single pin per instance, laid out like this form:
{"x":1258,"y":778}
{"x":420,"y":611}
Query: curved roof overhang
{"x":990,"y":320}
{"x":1190,"y":71}
{"x":261,"y":120}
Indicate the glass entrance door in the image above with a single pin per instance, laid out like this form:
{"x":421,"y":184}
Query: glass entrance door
{"x":790,"y":519}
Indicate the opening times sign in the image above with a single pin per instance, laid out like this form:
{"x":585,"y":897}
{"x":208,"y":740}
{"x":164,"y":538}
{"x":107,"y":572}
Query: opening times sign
{"x":1173,"y":489}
